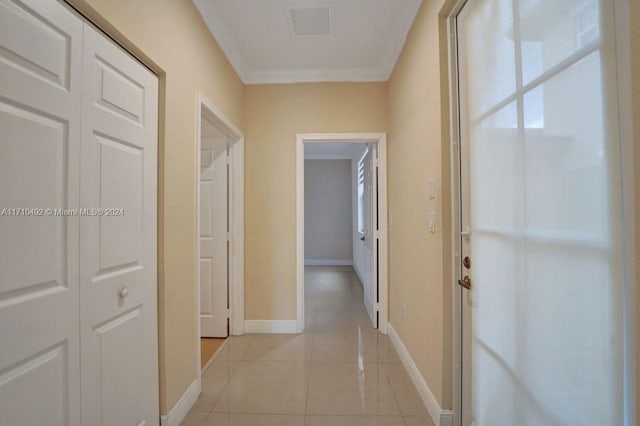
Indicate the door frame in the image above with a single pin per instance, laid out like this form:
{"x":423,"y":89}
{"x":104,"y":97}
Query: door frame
{"x":381,"y":140}
{"x":622,"y":87}
{"x":236,"y":217}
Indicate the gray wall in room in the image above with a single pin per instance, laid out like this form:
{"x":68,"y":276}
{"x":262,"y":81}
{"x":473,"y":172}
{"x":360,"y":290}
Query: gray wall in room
{"x":327,"y":210}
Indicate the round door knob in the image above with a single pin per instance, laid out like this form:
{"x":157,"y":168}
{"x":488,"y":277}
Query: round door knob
{"x":124,"y":293}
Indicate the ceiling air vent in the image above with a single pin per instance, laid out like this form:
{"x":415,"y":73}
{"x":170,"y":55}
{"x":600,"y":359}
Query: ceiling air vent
{"x":310,"y":19}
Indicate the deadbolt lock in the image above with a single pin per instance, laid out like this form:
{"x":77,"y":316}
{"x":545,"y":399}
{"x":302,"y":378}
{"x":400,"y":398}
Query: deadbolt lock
{"x":465,"y":282}
{"x":466,"y":262}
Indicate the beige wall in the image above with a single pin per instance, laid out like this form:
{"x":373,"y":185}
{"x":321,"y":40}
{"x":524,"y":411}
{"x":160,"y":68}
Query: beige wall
{"x":635,"y":72}
{"x":274,"y":114}
{"x":171,"y":35}
{"x":417,"y":265}
{"x":327,"y":210}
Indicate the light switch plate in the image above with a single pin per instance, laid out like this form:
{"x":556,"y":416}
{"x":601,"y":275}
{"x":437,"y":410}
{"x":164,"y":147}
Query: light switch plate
{"x":432,"y":222}
{"x":432,"y":189}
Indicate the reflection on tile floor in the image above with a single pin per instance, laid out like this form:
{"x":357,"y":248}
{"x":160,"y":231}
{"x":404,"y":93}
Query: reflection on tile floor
{"x":339,"y":372}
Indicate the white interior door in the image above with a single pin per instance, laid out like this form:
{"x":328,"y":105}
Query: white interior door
{"x":542,"y":323}
{"x":214,"y":228}
{"x":118,"y":249}
{"x":40,"y":95}
{"x":370,"y":234}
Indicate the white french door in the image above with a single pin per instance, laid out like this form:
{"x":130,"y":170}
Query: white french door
{"x":541,"y":210}
{"x":214,"y":228}
{"x":78,"y":322}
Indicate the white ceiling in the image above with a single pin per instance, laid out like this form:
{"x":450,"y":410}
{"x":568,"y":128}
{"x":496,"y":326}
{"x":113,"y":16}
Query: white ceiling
{"x":258,"y":36}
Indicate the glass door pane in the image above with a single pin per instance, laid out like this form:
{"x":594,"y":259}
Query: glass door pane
{"x":540,"y":191}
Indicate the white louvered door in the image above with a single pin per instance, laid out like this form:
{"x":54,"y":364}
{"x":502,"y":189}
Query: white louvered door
{"x":370,"y":257}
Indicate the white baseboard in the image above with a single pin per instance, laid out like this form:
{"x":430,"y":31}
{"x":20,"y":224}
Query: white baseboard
{"x":180,"y":410}
{"x":328,"y":262}
{"x":439,"y":416}
{"x":270,"y":326}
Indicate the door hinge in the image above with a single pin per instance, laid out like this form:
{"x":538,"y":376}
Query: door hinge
{"x":228,"y":160}
{"x":376,"y":235}
{"x":228,"y":313}
{"x":376,"y":306}
{"x":228,"y":236}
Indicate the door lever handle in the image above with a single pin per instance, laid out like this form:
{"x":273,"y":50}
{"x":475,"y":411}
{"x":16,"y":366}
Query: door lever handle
{"x":362,"y":238}
{"x":465,"y":282}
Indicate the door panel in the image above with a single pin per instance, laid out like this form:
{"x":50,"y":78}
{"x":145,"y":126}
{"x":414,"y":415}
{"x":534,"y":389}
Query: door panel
{"x":541,"y":196}
{"x":123,"y":388}
{"x":213,"y":238}
{"x":118,"y":248}
{"x":40,"y":49}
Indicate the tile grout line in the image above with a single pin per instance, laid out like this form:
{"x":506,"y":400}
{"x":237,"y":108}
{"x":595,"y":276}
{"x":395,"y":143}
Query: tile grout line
{"x":230,"y":377}
{"x":313,"y":339}
{"x":395,"y":397}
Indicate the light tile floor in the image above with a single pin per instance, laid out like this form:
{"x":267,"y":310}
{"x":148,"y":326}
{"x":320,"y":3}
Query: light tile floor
{"x":339,"y":372}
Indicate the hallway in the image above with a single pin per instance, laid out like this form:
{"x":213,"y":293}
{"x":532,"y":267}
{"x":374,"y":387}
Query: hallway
{"x":339,"y":372}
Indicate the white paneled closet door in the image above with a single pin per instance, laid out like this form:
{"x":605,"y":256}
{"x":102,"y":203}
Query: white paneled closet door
{"x":78,"y":315}
{"x":40,"y":95}
{"x":118,"y":252}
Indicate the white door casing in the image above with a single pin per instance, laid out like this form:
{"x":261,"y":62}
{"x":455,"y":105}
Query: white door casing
{"x":118,"y":296}
{"x":40,"y":96}
{"x":379,"y":140}
{"x":214,"y":253}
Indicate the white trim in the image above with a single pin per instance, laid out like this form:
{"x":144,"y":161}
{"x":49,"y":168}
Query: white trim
{"x":328,"y":157}
{"x":439,"y":416}
{"x":236,"y":216}
{"x":270,"y":326}
{"x":220,"y":31}
{"x":316,"y":75}
{"x":236,"y":296}
{"x":621,"y":14}
{"x":381,"y":140}
{"x":328,"y":262}
{"x":179,"y":411}
{"x":456,"y":290}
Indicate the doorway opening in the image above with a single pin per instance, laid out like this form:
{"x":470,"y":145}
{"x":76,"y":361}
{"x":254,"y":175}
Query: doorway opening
{"x":341,"y":188}
{"x":219,"y":232}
